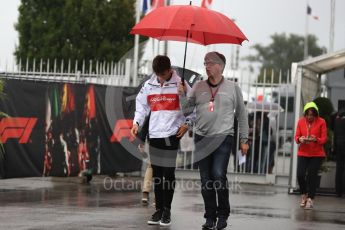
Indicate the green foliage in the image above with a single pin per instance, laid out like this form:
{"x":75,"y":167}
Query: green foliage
{"x":325,"y":106}
{"x":75,"y":29}
{"x":326,"y":109}
{"x":282,"y":51}
{"x":2,"y":86}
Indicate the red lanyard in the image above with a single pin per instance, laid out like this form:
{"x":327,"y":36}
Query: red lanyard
{"x":213,"y":95}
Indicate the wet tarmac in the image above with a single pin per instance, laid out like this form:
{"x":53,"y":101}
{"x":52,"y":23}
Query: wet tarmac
{"x":115,"y":203}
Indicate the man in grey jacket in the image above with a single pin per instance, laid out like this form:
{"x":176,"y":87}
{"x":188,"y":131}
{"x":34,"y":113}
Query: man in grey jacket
{"x":216,"y":102}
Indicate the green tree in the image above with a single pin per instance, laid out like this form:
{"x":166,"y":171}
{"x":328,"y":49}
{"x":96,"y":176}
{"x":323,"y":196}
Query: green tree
{"x":281,"y":52}
{"x":326,"y":109}
{"x":75,"y":29}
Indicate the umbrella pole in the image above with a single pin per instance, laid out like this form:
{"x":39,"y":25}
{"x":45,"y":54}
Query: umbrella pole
{"x":184,"y":60}
{"x":185,"y":52}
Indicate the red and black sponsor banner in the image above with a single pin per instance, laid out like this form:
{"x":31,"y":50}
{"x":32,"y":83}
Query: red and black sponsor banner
{"x":63,"y":129}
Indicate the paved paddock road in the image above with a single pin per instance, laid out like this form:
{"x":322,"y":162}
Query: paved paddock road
{"x":114,"y":203}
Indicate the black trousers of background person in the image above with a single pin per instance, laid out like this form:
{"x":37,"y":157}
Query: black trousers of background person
{"x":307,"y":171}
{"x":163,"y":152}
{"x":340,"y":173}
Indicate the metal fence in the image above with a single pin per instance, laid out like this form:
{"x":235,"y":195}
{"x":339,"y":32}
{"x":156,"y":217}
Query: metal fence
{"x":96,"y":72}
{"x":271,"y":129}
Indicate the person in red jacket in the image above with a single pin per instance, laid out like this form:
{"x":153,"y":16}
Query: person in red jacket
{"x":311,"y":135}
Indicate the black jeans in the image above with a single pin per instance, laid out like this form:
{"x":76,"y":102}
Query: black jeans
{"x":214,"y":183}
{"x":163,"y":152}
{"x":307,"y":172}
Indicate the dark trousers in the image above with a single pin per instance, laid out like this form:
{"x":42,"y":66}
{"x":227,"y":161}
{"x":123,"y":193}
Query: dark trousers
{"x":214,"y":183}
{"x":163,"y":152}
{"x":340,"y":174}
{"x":307,"y":174}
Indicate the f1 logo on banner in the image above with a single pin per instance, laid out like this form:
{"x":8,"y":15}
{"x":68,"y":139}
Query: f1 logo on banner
{"x":122,"y":130}
{"x":16,"y":127}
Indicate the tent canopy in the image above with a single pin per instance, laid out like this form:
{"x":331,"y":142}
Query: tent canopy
{"x":325,"y":63}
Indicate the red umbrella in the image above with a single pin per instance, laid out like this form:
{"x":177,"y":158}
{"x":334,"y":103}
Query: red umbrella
{"x":190,"y":24}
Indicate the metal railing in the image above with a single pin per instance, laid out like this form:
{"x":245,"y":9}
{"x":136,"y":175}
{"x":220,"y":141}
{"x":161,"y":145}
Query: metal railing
{"x":96,"y":72}
{"x":270,"y":144}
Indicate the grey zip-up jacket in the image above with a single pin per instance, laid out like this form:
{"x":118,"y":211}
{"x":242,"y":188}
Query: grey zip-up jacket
{"x":228,"y":103}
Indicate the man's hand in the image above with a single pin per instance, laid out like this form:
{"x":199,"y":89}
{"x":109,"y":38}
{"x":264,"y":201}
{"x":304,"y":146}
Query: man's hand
{"x":134,"y":130}
{"x":244,"y":148}
{"x":181,"y":131}
{"x":181,"y":89}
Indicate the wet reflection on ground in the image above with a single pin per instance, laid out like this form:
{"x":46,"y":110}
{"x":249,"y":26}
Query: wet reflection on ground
{"x":114,"y":203}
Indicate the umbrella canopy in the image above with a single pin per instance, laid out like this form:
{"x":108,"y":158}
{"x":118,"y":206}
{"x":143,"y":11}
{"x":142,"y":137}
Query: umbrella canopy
{"x":197,"y":24}
{"x":262,"y":106}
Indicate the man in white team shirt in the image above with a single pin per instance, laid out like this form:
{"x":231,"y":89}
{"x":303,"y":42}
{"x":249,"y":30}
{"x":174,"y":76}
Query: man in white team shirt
{"x":167,"y":124}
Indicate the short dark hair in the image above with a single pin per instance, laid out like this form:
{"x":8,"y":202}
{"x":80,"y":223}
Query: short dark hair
{"x":160,"y":64}
{"x":314,"y":111}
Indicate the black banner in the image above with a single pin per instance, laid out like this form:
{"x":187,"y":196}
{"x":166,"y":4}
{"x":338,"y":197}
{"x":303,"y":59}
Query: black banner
{"x":62,"y":129}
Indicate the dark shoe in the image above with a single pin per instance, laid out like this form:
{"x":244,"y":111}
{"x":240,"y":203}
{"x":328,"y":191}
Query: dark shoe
{"x":221,"y":224}
{"x":165,"y":221}
{"x":209,"y":224}
{"x":88,"y":178}
{"x":155,"y":218}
